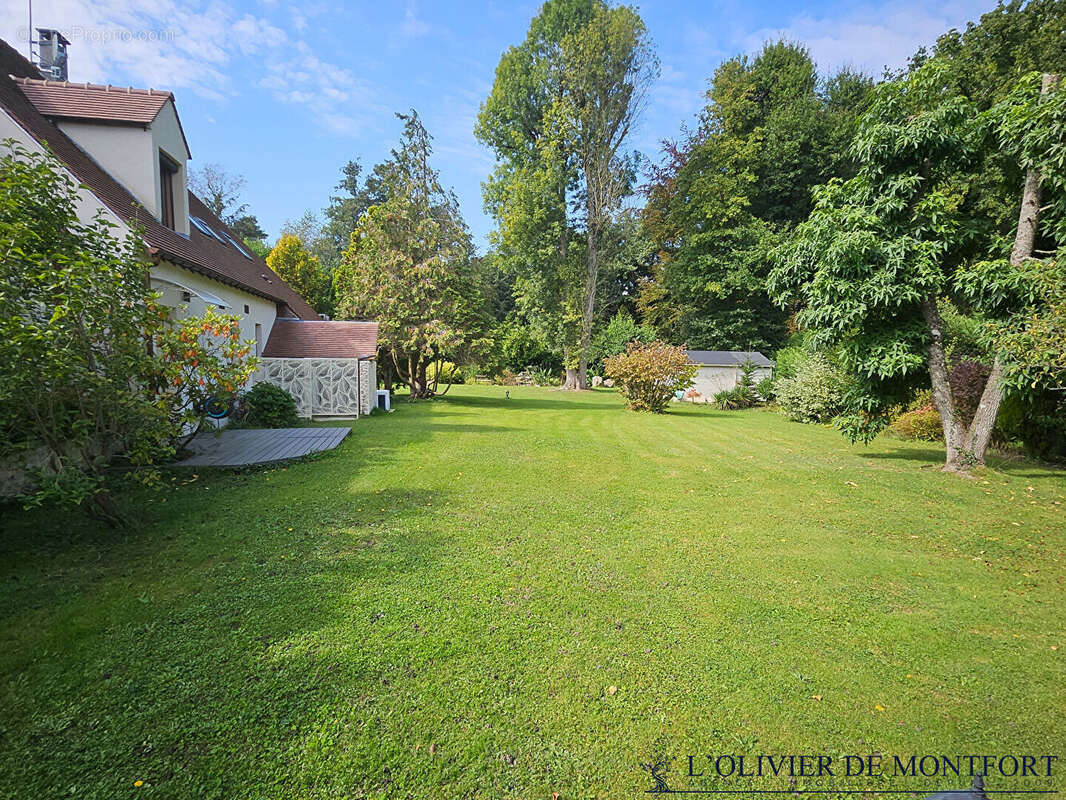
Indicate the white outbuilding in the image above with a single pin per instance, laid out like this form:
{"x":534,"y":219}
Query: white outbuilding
{"x":720,"y":370}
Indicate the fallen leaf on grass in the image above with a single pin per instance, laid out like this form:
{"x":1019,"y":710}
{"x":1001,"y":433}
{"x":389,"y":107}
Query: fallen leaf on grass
{"x":817,"y":697}
{"x":611,"y":690}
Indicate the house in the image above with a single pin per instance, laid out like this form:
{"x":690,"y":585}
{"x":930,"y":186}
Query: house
{"x":719,"y":370}
{"x":127,"y":149}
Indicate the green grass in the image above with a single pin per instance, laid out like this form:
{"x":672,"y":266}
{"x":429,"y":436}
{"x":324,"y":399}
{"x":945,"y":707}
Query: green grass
{"x":439,"y":609}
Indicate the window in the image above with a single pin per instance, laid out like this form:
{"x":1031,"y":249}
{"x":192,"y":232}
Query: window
{"x":240,"y":249}
{"x":167,"y":170}
{"x":246,"y":309}
{"x":258,"y":339}
{"x":205,"y":229}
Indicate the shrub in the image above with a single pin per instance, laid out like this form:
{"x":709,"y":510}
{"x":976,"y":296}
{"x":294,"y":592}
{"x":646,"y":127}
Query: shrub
{"x":922,"y":424}
{"x":730,"y":400}
{"x":816,"y":393}
{"x":968,"y":379}
{"x":76,"y":311}
{"x":521,"y":347}
{"x":743,"y":395}
{"x":647,"y":375}
{"x":788,"y":359}
{"x":1038,"y":419}
{"x":613,"y":338}
{"x":543,"y":376}
{"x":444,"y":372}
{"x":766,"y":389}
{"x":268,"y":406}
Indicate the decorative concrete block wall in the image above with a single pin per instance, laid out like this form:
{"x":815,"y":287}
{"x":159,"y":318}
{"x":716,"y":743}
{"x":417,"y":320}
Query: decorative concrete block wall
{"x":323,"y":387}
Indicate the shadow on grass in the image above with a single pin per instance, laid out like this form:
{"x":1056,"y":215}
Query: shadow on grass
{"x":934,"y":456}
{"x":930,"y":455}
{"x":203,"y":631}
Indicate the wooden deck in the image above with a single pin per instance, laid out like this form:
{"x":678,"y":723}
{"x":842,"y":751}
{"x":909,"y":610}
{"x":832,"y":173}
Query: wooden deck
{"x":240,"y":448}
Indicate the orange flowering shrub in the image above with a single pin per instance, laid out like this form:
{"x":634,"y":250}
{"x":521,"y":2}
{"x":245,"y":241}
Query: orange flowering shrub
{"x":93,"y":371}
{"x":648,"y":375}
{"x":198,"y":359}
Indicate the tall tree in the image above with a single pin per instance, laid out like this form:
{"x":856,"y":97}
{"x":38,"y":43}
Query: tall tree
{"x":301,"y":269}
{"x":607,"y":67}
{"x":722,"y":196}
{"x":561,"y":107}
{"x":527,"y":193}
{"x":989,"y":56}
{"x":344,"y":209}
{"x":869,"y":270}
{"x":409,"y":267}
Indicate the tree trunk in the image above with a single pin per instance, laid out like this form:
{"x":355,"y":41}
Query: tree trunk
{"x":938,"y":373}
{"x":984,"y":419}
{"x":572,"y":379}
{"x":102,"y":508}
{"x":588,"y":311}
{"x":412,"y":376}
{"x":423,"y":386}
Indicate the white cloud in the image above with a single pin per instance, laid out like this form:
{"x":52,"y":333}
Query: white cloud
{"x":412,"y":26}
{"x":871,"y":37}
{"x":677,"y":92}
{"x":340,"y":101}
{"x":208,"y":50}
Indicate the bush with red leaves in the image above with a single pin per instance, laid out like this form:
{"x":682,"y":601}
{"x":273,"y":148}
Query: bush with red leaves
{"x":968,"y":379}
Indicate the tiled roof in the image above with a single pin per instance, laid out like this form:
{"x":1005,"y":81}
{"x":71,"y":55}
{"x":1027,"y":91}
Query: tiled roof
{"x":93,"y":101}
{"x":198,"y":252}
{"x":294,"y":338}
{"x":728,"y":358}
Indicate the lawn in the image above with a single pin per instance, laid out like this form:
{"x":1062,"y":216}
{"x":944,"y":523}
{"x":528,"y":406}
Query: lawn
{"x":493,"y":598}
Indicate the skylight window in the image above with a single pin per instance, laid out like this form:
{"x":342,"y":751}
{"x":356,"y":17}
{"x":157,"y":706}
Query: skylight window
{"x":205,"y":229}
{"x":240,"y":248}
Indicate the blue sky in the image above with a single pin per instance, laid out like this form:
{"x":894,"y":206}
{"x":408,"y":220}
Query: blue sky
{"x":285,"y":93}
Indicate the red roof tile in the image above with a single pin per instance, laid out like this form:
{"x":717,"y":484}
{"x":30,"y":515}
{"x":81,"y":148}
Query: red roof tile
{"x":294,"y":338}
{"x":93,"y":101}
{"x":198,"y":252}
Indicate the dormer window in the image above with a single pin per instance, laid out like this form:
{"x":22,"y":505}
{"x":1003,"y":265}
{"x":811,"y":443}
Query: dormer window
{"x":168,"y":168}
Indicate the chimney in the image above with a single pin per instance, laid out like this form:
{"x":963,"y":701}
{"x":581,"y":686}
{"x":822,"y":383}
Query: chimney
{"x":52,"y":54}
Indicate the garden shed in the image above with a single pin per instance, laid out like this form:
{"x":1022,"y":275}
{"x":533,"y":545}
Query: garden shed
{"x":328,"y":367}
{"x":719,"y":370}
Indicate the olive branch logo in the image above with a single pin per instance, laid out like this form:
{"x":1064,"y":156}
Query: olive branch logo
{"x":658,"y":770}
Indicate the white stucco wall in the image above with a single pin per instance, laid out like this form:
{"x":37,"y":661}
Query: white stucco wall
{"x":711,"y":380}
{"x":167,"y":138}
{"x":130,"y":154}
{"x":125,"y":152}
{"x":260,"y":310}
